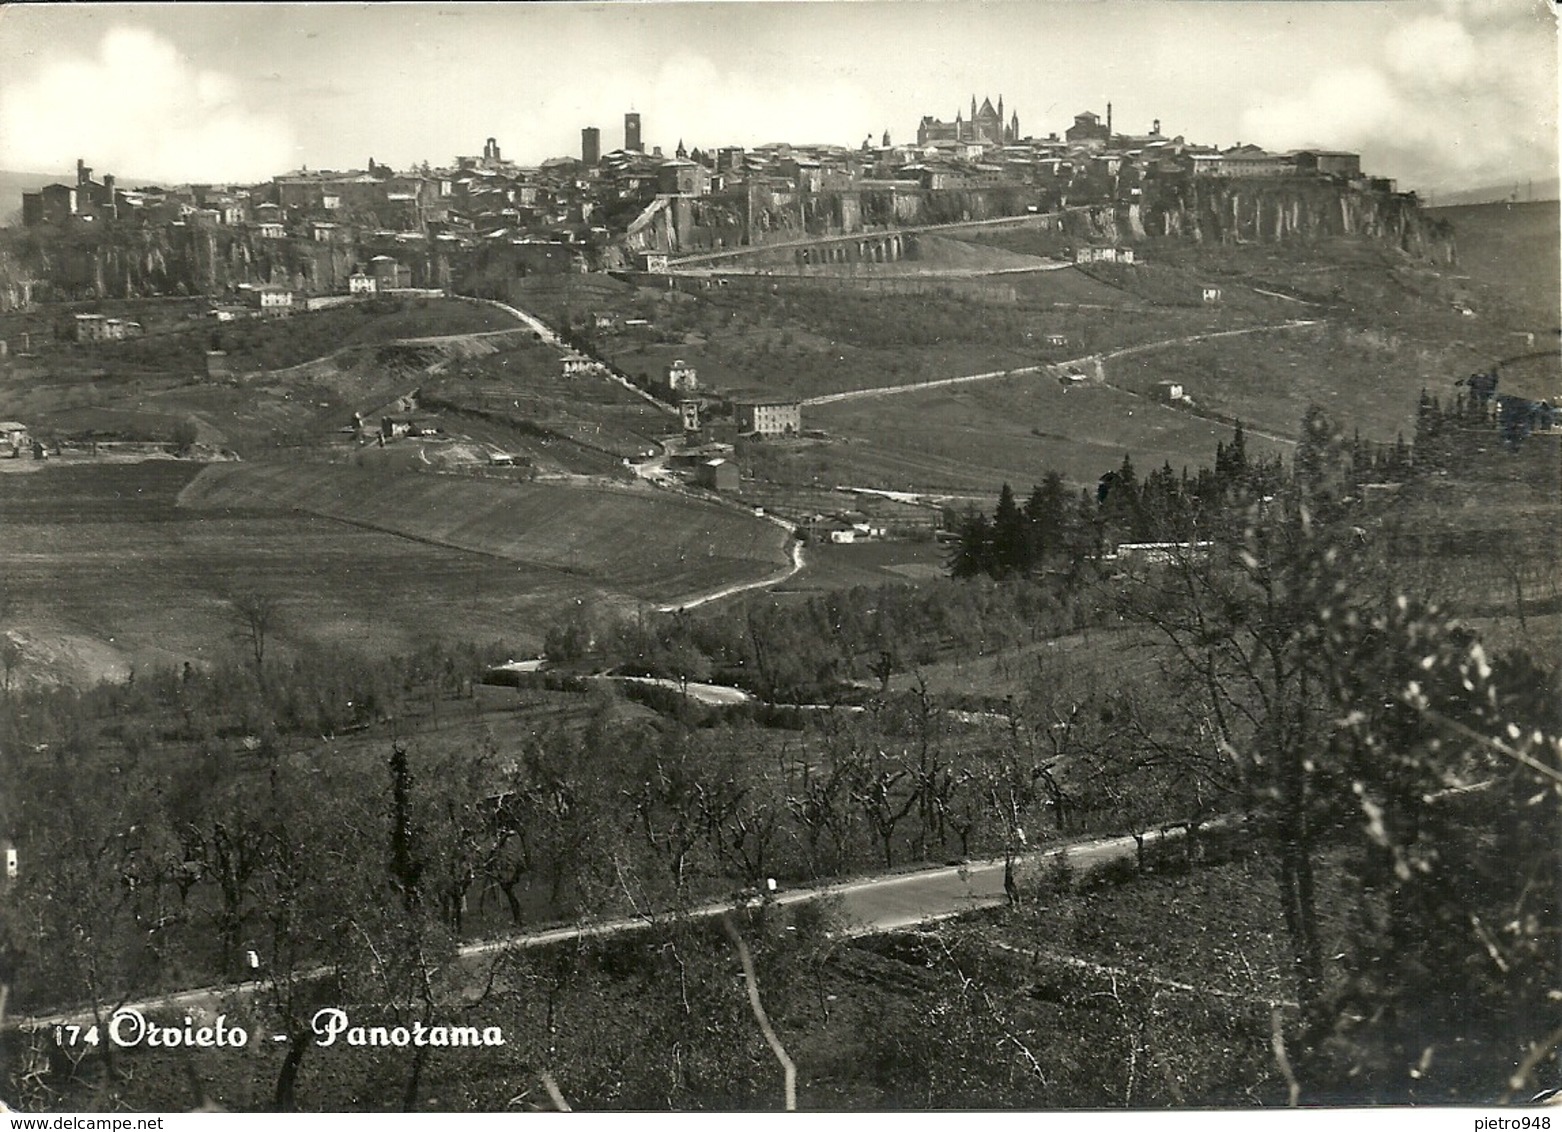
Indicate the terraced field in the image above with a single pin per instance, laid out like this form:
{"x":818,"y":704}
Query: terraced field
{"x":634,"y":541}
{"x":102,"y":573}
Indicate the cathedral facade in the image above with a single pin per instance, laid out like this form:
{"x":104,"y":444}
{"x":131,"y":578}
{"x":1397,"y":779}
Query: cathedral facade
{"x":985,"y":126}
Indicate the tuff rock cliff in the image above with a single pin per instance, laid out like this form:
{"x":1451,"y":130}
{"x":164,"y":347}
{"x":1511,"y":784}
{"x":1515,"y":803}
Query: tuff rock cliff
{"x":122,"y":261}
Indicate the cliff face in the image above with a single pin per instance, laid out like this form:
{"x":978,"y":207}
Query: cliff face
{"x":1211,"y":211}
{"x":126,"y":262}
{"x":1204,"y":210}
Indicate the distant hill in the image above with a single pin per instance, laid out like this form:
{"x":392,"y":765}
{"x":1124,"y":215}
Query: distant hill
{"x":13,"y":185}
{"x":1513,"y":250}
{"x":1523,"y":191}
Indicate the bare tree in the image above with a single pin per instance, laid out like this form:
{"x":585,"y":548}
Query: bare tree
{"x":255,"y":613}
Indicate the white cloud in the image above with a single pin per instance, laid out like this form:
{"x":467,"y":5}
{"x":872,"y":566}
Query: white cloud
{"x":1459,"y":96}
{"x":1432,"y":51}
{"x":138,"y":107}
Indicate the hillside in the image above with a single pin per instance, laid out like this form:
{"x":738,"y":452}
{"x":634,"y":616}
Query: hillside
{"x":652,"y":546}
{"x":1512,"y":250}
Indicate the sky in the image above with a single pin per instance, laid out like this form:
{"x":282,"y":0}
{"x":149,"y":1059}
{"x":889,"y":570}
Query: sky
{"x":1441,"y":94}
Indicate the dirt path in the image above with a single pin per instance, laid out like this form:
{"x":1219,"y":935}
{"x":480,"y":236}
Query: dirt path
{"x":742,"y":587}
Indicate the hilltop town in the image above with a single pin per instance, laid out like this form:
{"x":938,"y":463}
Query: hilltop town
{"x":996,"y":620}
{"x":631,"y":206}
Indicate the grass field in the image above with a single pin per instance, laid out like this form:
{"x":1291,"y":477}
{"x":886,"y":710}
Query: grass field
{"x":1009,"y":429}
{"x":103,"y":571}
{"x":830,"y":567}
{"x":650,"y":545}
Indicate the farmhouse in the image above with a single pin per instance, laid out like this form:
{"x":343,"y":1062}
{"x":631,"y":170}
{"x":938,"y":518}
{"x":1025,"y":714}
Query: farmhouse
{"x":100,"y":328}
{"x":1209,"y":293}
{"x":1089,"y":253}
{"x":574,"y":365}
{"x":270,"y":299}
{"x":13,"y":435}
{"x":765,"y":415}
{"x":393,"y":428}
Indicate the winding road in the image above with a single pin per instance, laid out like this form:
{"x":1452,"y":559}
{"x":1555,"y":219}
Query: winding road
{"x":866,"y":906}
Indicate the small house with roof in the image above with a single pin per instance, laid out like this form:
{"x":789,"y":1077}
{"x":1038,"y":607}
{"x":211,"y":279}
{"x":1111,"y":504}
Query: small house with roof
{"x":13,"y":438}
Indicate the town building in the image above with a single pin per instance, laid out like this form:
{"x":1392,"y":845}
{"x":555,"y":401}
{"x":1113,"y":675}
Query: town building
{"x":389,"y":275}
{"x":361,"y":283}
{"x":1329,"y":163}
{"x":986,"y":127}
{"x":1089,"y":130}
{"x":1245,"y":161}
{"x":683,"y":178}
{"x":86,"y":200}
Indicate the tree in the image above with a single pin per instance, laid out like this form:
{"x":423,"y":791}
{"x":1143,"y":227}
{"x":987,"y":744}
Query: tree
{"x":1360,"y":725}
{"x":185,"y":434}
{"x":973,"y":552}
{"x":1011,"y":549}
{"x":1046,"y":518}
{"x":407,"y":861}
{"x":256,"y":614}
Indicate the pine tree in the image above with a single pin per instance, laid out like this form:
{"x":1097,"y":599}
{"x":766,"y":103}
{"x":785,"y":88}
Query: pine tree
{"x":973,"y":553}
{"x":1120,"y":507}
{"x":1046,"y":517}
{"x":1010,"y":546}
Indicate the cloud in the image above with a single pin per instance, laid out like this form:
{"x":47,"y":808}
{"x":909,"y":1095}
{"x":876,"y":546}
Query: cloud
{"x":138,"y":107}
{"x":1460,"y":94}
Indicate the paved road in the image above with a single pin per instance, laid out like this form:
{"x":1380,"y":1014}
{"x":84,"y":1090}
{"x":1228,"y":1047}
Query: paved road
{"x":868,"y":906}
{"x":1087,"y":360}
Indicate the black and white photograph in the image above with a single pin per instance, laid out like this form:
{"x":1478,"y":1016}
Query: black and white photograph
{"x":850,"y":556}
